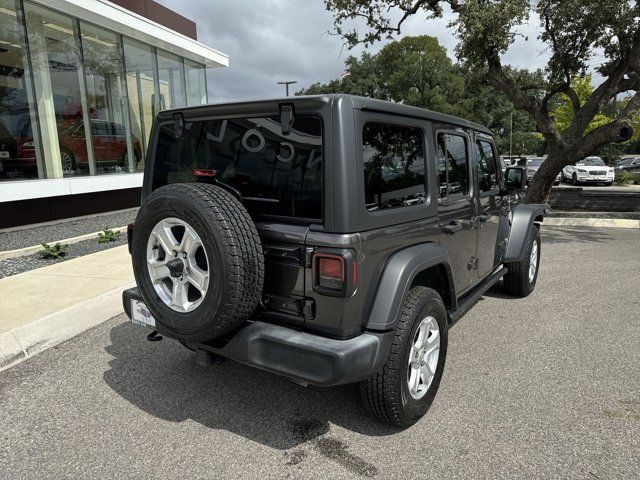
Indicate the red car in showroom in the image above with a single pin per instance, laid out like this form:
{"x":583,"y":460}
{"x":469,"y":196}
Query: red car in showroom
{"x":18,"y":156}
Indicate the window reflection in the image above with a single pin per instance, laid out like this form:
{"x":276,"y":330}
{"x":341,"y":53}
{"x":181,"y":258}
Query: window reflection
{"x":196,"y":83}
{"x":393,"y":157}
{"x":55,"y":59}
{"x":139,"y":62}
{"x":486,"y":166}
{"x":17,"y":146}
{"x":104,"y":72}
{"x":453,"y":165}
{"x":170,"y":74}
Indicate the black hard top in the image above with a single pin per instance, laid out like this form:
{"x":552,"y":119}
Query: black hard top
{"x":361,"y":103}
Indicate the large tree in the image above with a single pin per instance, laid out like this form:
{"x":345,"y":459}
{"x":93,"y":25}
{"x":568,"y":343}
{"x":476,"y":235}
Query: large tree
{"x":417,"y":71}
{"x":575,"y":32}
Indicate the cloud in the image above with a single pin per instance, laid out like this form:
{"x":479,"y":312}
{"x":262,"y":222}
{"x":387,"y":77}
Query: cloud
{"x":276,"y":40}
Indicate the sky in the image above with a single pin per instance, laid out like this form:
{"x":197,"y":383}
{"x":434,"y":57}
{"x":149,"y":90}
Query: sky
{"x":280,"y":40}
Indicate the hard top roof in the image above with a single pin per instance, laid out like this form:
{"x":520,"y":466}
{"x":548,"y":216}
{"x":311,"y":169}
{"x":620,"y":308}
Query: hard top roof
{"x":362,"y":103}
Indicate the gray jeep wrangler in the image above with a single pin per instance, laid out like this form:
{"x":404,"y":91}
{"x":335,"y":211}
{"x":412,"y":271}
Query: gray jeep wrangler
{"x":330,"y":239}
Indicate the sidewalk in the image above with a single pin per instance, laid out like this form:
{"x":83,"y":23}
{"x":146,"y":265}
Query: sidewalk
{"x":43,"y":307}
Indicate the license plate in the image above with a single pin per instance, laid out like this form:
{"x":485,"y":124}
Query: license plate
{"x":141,"y":315}
{"x":4,"y":154}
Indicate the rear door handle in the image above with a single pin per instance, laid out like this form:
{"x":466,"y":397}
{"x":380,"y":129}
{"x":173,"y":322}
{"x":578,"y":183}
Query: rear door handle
{"x":452,"y":227}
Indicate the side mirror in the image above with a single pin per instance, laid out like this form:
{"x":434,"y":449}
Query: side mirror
{"x":515,"y":179}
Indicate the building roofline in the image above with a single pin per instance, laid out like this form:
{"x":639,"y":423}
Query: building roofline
{"x":120,"y":20}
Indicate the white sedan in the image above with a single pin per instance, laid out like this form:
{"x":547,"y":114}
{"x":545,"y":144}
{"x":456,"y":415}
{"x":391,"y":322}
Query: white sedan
{"x":588,"y":170}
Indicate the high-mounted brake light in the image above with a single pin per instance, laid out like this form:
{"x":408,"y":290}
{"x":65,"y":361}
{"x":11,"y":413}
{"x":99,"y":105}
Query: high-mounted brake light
{"x":334,"y":273}
{"x":204,"y":173}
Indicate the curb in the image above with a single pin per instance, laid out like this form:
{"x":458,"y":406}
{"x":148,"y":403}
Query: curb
{"x":25,"y":341}
{"x":21,"y":252}
{"x":591,"y":222}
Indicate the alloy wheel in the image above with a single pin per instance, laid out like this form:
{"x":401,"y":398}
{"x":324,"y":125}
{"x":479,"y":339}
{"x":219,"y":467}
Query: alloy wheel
{"x":423,"y":357}
{"x":533,"y":261}
{"x":178,"y":265}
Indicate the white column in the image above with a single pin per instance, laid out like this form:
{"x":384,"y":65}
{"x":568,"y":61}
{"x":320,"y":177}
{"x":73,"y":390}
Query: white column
{"x":44,"y":95}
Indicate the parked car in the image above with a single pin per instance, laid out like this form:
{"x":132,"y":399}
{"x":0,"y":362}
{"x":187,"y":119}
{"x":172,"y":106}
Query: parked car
{"x":533,"y":164}
{"x":588,"y":170}
{"x":627,"y":165}
{"x":109,"y":146}
{"x":262,"y":238}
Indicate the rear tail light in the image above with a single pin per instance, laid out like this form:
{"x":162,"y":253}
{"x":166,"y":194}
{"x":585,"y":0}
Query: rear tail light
{"x":334,"y":273}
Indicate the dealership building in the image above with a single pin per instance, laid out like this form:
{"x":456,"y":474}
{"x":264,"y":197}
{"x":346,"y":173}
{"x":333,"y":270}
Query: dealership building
{"x":80,"y":84}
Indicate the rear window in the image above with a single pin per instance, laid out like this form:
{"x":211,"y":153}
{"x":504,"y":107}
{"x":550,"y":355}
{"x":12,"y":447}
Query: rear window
{"x":276,"y":174}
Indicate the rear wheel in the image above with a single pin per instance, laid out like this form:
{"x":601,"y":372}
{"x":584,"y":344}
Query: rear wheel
{"x":402,"y":392}
{"x":521,"y":277}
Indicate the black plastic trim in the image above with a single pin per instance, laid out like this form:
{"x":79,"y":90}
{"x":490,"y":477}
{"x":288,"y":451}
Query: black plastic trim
{"x":302,"y":356}
{"x":470,"y":299}
{"x":524,"y":216}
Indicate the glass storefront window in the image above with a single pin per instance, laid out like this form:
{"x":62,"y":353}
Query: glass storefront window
{"x":18,"y":158}
{"x":81,"y":100}
{"x":171,"y":76}
{"x":55,"y":58}
{"x":141,"y":73}
{"x":104,"y":73}
{"x":196,"y":83}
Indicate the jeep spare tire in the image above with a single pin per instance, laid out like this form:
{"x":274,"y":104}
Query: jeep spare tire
{"x":197,"y":260}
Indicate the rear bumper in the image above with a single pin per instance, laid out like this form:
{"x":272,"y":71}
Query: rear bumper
{"x":302,"y":356}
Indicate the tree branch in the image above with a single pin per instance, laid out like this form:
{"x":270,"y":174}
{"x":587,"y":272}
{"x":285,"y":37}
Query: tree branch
{"x":611,"y":131}
{"x":605,"y":91}
{"x":501,"y":81}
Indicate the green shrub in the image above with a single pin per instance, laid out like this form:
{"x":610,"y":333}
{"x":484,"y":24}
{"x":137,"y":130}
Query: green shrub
{"x":627,"y":178}
{"x":53,"y":251}
{"x":107,"y":236}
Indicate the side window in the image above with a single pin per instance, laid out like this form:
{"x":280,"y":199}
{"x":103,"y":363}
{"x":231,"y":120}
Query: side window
{"x":453,"y":165}
{"x":394,"y":171}
{"x":486,"y":166}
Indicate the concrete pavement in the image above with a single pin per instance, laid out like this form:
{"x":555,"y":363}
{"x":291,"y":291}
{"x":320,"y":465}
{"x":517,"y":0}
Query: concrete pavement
{"x":41,"y":308}
{"x":541,"y":387}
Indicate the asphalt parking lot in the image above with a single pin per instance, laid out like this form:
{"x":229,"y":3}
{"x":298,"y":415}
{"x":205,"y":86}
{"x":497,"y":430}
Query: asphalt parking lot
{"x":547,"y":386}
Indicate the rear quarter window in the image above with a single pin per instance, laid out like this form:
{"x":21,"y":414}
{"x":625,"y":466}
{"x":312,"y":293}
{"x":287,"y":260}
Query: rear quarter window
{"x":394,"y":166}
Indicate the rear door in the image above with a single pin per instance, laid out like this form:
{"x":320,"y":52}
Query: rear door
{"x":279,"y":179}
{"x":489,"y":204}
{"x":456,"y":208}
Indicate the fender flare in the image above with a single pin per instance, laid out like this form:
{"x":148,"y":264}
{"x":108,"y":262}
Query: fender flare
{"x":397,"y":276}
{"x":522,"y":220}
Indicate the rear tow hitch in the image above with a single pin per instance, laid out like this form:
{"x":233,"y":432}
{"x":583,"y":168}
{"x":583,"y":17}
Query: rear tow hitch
{"x":154,"y":337}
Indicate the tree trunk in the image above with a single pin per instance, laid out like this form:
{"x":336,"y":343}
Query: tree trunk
{"x":542,"y":181}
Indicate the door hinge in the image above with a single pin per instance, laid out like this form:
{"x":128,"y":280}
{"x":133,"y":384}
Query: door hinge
{"x":309,"y":309}
{"x":308,"y":253}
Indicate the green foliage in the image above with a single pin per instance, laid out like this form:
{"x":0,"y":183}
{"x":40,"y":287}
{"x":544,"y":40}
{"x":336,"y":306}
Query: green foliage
{"x":53,"y":251}
{"x":417,"y":71}
{"x":563,"y":112}
{"x":627,"y":178}
{"x":578,"y":36}
{"x":107,"y":236}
